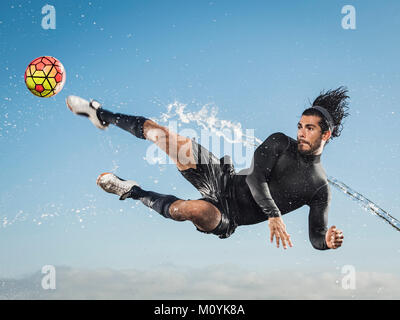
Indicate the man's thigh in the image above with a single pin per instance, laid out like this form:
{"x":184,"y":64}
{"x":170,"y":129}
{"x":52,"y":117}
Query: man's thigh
{"x":177,"y":147}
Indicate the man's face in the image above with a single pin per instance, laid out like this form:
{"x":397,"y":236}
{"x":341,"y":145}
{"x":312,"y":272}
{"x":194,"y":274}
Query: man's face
{"x":309,"y":135}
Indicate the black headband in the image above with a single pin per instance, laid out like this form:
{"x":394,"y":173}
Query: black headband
{"x":327,"y":117}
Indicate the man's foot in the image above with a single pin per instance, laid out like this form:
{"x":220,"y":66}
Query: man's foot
{"x":110,"y":183}
{"x":85,"y":108}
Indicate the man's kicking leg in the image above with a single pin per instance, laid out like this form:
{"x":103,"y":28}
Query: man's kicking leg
{"x":203,"y":214}
{"x":178,"y":148}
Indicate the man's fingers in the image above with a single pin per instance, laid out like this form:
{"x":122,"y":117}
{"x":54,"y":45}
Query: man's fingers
{"x":290,"y":241}
{"x":339,"y":235}
{"x":283,"y":236}
{"x":278,"y":230}
{"x":283,"y":242}
{"x":338,"y":241}
{"x":277,"y":240}
{"x":285,"y":239}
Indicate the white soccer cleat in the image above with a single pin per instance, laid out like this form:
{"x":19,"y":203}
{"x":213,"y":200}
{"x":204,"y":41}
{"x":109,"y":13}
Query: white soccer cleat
{"x":110,"y":183}
{"x":85,"y":108}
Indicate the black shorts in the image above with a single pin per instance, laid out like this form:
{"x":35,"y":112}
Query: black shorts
{"x":213,"y":179}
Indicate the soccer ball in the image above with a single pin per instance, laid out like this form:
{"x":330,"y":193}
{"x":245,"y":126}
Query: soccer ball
{"x":45,"y":76}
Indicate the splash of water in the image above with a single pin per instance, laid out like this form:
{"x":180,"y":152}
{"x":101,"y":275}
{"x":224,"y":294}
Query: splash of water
{"x":368,"y":205}
{"x":207,"y":119}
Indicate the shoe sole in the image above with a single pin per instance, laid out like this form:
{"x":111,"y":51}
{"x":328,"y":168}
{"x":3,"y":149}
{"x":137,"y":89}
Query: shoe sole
{"x":99,"y":125}
{"x":69,"y":107}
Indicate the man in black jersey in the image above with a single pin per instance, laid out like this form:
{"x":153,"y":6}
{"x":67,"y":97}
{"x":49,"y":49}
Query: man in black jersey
{"x":285,"y":174}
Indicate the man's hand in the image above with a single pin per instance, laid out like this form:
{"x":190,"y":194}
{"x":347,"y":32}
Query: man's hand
{"x":278,"y":229}
{"x":334,"y":238}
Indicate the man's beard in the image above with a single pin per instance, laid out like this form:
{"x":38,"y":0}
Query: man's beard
{"x":313,"y":148}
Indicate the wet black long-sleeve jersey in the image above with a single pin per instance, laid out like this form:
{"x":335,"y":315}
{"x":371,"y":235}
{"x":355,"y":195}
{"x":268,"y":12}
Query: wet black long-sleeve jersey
{"x":281,"y":180}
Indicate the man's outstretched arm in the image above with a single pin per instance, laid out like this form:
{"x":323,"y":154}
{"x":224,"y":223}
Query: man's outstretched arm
{"x":265,"y":157}
{"x":321,"y":238}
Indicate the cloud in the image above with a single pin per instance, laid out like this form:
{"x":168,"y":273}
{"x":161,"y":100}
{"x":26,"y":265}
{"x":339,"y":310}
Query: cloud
{"x":213,"y":282}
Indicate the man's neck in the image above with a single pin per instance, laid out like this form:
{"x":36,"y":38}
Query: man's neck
{"x":311,"y":158}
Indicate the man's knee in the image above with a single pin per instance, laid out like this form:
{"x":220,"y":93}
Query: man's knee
{"x":193,"y":210}
{"x":203,"y":214}
{"x":178,"y":210}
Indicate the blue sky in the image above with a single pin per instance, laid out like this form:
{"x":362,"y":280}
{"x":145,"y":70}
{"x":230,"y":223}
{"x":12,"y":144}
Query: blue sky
{"x":258,"y":62}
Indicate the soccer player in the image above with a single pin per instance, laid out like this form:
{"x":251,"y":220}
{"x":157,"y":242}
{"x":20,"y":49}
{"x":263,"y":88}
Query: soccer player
{"x":285,"y":174}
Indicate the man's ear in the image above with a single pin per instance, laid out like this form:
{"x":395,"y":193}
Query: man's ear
{"x":327,"y":135}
